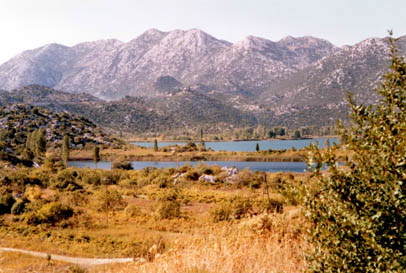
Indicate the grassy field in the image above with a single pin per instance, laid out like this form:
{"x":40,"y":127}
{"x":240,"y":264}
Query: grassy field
{"x":169,"y":218}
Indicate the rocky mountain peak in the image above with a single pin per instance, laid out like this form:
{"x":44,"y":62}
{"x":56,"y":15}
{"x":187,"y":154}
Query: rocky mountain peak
{"x":254,"y":43}
{"x":99,"y":44}
{"x":112,"y":69}
{"x":307,"y":49}
{"x":304,"y":42}
{"x":371,"y":48}
{"x":153,"y":32}
{"x":371,"y":43}
{"x":41,"y":53}
{"x":148,"y":37}
{"x":192,"y":39}
{"x":52,"y":47}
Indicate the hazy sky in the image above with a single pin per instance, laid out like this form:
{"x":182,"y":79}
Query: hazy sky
{"x":26,"y":24}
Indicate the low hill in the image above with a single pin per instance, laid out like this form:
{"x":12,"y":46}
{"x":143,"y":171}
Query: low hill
{"x":183,"y":110}
{"x":17,"y":120}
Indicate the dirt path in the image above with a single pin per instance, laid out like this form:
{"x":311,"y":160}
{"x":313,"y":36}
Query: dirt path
{"x":74,"y":260}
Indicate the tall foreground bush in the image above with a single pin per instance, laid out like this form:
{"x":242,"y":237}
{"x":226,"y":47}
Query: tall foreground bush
{"x":358,"y":214}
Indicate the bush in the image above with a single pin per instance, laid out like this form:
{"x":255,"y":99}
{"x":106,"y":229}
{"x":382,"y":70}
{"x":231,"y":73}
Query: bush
{"x":147,"y":248}
{"x":112,"y":199}
{"x":168,"y":209}
{"x":272,"y":205}
{"x":259,"y":224}
{"x":358,"y":216}
{"x":221,"y":212}
{"x":204,"y":169}
{"x":235,"y":209}
{"x":33,"y":219}
{"x":191,"y":146}
{"x":66,"y":180}
{"x":92,"y":177}
{"x":192,"y":175}
{"x":163,"y":183}
{"x":54,"y":212}
{"x":240,"y":208}
{"x":243,"y":178}
{"x":293,"y":191}
{"x":6,"y":203}
{"x":161,"y":180}
{"x":132,"y":210}
{"x":18,"y":207}
{"x":122,"y":164}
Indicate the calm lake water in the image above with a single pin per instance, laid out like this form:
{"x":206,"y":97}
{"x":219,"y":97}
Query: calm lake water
{"x":298,"y":167}
{"x":249,"y":146}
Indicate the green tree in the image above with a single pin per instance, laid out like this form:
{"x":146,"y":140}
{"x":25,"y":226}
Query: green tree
{"x":280,"y":131}
{"x":40,"y":143}
{"x":28,"y":142}
{"x":358,"y":214}
{"x":65,"y":150}
{"x":297,"y":134}
{"x":35,"y":144}
{"x":108,"y":200}
{"x":257,"y":147}
{"x":271,"y":133}
{"x":27,"y":152}
{"x":155,"y":145}
{"x":96,"y":155}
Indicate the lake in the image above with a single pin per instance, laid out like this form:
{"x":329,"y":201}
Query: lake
{"x":298,"y":167}
{"x":249,"y":146}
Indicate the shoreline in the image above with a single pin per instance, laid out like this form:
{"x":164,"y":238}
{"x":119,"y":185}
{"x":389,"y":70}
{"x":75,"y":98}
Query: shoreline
{"x":232,"y":140}
{"x":190,"y":160}
{"x":290,"y":156}
{"x":139,"y":153}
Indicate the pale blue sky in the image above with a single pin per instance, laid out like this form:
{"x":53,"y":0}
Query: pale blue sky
{"x":26,"y":24}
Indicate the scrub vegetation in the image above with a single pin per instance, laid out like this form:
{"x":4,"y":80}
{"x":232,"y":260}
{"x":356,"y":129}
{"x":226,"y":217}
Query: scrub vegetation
{"x":161,"y":217}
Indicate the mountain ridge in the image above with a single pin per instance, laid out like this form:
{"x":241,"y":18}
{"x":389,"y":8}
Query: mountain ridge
{"x":112,"y":69}
{"x":184,"y":110}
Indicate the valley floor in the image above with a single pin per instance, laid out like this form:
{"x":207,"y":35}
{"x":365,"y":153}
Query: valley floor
{"x":185,"y":226}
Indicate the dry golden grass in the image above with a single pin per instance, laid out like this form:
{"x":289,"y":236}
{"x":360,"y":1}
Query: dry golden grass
{"x":232,"y":247}
{"x":192,"y":242}
{"x":233,"y":253}
{"x":28,"y":263}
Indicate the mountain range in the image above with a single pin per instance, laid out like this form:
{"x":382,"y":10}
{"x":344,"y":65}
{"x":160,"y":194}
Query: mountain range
{"x":163,"y":61}
{"x":188,"y":76}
